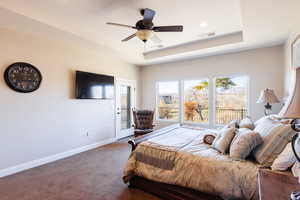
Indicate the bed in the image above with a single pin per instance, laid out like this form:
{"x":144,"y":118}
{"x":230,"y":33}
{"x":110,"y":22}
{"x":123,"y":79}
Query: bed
{"x":174,"y":163}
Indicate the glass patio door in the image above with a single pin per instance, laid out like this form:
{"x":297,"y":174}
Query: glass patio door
{"x":125,"y":102}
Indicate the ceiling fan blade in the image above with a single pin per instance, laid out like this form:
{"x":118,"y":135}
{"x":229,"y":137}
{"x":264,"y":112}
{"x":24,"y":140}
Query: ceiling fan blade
{"x":129,"y":38}
{"x":148,"y":16}
{"x":168,"y":28}
{"x":123,"y":25}
{"x":155,"y":39}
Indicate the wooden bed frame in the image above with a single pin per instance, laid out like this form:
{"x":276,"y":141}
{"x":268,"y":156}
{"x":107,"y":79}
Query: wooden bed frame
{"x":165,"y":191}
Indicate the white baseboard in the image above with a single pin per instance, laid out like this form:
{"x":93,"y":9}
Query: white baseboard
{"x":42,"y":161}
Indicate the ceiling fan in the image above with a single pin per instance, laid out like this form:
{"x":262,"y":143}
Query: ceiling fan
{"x":146,"y":29}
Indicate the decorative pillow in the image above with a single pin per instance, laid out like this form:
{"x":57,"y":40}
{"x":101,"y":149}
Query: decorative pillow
{"x":209,"y":139}
{"x":280,"y":119}
{"x":232,"y":124}
{"x":273,"y":117}
{"x":223,"y":139}
{"x":243,"y":143}
{"x":261,"y":120}
{"x":285,"y":159}
{"x":247,"y":123}
{"x":275,"y":137}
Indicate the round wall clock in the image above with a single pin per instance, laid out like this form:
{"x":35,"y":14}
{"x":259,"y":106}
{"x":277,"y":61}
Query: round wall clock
{"x":23,"y":77}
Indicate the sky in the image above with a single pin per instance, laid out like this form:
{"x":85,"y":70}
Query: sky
{"x":170,"y":87}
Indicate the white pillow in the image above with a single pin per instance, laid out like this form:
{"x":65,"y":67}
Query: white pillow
{"x":273,"y":118}
{"x":260,"y":120}
{"x":285,"y":159}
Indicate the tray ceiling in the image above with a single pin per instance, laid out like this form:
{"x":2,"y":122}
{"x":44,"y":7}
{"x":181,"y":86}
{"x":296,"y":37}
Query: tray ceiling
{"x":86,"y":19}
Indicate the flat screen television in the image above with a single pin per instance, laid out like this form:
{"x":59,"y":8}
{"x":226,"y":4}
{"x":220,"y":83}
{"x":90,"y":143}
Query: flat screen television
{"x":94,"y":86}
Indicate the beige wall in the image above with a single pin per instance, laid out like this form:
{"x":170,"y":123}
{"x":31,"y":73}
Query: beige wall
{"x":289,"y":73}
{"x":294,"y":33}
{"x":265,"y":67}
{"x":49,"y":120}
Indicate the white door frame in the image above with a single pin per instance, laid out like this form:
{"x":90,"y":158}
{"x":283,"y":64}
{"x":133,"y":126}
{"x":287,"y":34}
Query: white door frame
{"x":132,"y":84}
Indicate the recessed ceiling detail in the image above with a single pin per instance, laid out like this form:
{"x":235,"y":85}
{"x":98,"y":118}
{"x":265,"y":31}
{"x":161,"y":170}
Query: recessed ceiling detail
{"x":206,"y":43}
{"x":87,"y":20}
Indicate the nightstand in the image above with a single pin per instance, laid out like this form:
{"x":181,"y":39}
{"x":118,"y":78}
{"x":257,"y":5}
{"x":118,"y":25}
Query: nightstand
{"x":276,"y":185}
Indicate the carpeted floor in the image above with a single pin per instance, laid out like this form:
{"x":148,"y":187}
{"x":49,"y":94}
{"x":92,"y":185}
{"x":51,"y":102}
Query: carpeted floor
{"x":92,"y":175}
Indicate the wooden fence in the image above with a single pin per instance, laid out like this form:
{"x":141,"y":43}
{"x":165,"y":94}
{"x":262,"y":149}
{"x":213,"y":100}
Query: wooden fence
{"x":223,"y":115}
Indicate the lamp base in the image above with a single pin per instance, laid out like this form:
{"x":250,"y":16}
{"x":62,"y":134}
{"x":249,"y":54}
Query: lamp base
{"x":295,"y":126}
{"x":268,"y":109}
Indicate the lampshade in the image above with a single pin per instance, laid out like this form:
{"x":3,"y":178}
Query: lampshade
{"x":292,"y":107}
{"x":267,"y":96}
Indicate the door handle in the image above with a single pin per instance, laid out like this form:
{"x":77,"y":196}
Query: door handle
{"x":118,"y":113}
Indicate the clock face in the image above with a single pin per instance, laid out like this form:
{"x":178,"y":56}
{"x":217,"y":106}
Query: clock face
{"x":23,"y":77}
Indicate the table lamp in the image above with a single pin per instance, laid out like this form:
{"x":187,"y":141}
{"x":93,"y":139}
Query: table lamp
{"x":268,"y":97}
{"x":292,"y":111}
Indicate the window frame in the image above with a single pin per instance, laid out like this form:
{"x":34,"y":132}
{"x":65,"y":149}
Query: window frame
{"x":157,"y":102}
{"x":183,"y":121}
{"x":212,"y":100}
{"x":214,"y":124}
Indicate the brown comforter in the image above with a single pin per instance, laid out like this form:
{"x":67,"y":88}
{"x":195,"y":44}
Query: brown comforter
{"x":181,"y":158}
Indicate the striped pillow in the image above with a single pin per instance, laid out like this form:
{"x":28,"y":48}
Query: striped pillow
{"x":275,"y":137}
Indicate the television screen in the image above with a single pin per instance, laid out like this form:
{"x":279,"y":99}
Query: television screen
{"x":94,"y":86}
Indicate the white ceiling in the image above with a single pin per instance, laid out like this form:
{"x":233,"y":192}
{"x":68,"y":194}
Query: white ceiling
{"x":262,"y":21}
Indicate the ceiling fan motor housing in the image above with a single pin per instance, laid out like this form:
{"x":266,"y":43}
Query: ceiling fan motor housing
{"x":142,"y":11}
{"x":140,"y":25}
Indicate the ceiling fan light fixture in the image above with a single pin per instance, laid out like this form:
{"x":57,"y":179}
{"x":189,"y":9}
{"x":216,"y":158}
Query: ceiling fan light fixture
{"x":144,"y":35}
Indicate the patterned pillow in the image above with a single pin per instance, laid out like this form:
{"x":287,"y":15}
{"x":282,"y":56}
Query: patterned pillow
{"x":223,"y":140}
{"x":243,"y":143}
{"x":275,"y":137}
{"x":209,"y":139}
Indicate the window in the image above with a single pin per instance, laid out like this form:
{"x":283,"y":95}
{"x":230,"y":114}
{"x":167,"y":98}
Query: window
{"x":196,"y":101}
{"x":125,"y":107}
{"x":189,"y":101}
{"x":231,"y":98}
{"x":168,"y":100}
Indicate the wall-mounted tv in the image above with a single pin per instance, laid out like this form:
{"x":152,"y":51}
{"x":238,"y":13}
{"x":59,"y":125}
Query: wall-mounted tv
{"x":94,"y":86}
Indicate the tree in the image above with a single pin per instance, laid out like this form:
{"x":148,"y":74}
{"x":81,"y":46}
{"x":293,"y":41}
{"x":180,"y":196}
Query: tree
{"x":202,"y":85}
{"x":224,"y":83}
{"x":193,"y":107}
{"x":190,"y":108}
